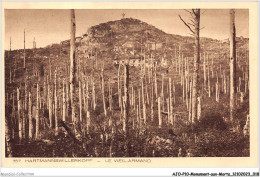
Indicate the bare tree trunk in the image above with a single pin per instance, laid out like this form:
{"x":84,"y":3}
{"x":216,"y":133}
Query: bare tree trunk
{"x":72,"y":64}
{"x":199,"y":108}
{"x":162,"y":93}
{"x":155,"y":85}
{"x":127,"y":103}
{"x":143,"y":100}
{"x":209,"y":89}
{"x":152,"y":103}
{"x":170,"y":100}
{"x":50,"y":105}
{"x":56,"y":103}
{"x":13,"y":115}
{"x":10,"y":76}
{"x":126,"y":96}
{"x":187,"y":90}
{"x":8,"y":137}
{"x":10,"y":46}
{"x":24,"y":120}
{"x":224,"y":82}
{"x":110,"y":91}
{"x":37,"y":114}
{"x":19,"y":114}
{"x":63,"y":101}
{"x":30,"y":117}
{"x":204,"y":70}
{"x":190,"y":103}
{"x":196,"y":66}
{"x":67,"y":99}
{"x":159,"y":112}
{"x":24,"y":50}
{"x":44,"y":94}
{"x":80,"y":102}
{"x":103,"y":90}
{"x":217,"y":90}
{"x":119,"y":89}
{"x":232,"y":63}
{"x":139,"y":104}
{"x":87,"y":107}
{"x":173,"y":92}
{"x":179,"y":60}
{"x":93,"y":93}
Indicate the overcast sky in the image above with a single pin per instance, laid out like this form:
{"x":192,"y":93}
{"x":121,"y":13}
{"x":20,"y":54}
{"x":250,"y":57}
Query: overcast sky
{"x":53,"y":26}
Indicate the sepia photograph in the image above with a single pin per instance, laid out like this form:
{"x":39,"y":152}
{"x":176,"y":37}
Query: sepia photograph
{"x":126,"y":83}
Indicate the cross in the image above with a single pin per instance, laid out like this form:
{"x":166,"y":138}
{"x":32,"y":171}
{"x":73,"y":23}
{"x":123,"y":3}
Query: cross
{"x":123,"y":15}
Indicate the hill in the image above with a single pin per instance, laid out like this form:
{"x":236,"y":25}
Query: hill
{"x":106,"y":45}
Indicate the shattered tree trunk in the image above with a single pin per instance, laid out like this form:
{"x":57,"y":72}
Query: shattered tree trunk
{"x":50,"y":105}
{"x":93,"y":93}
{"x":67,"y":99}
{"x":30,"y":117}
{"x":55,"y":103}
{"x":204,"y":71}
{"x":63,"y":101}
{"x":19,"y":114}
{"x":127,"y":103}
{"x":126,"y":97}
{"x":80,"y":102}
{"x":103,"y":90}
{"x":37,"y":114}
{"x":119,"y":89}
{"x":196,"y":67}
{"x":232,"y":63}
{"x":72,"y":64}
{"x":162,"y":92}
{"x":152,"y":103}
{"x":87,"y":108}
{"x":143,"y":100}
{"x":10,"y":46}
{"x":44,"y":94}
{"x":159,"y":113}
{"x":209,"y":89}
{"x":170,"y":100}
{"x":8,"y":137}
{"x":110,"y":91}
{"x":24,"y":50}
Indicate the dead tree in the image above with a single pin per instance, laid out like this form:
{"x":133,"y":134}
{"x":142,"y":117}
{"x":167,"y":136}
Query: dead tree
{"x":30,"y":116}
{"x":232,"y":63}
{"x":50,"y":104}
{"x":55,"y":103}
{"x":127,"y":103}
{"x":34,"y":43}
{"x":126,"y":96}
{"x":63,"y":101}
{"x":119,"y":89}
{"x":19,"y":113}
{"x":8,"y":137}
{"x":195,"y":22}
{"x":80,"y":102}
{"x":10,"y":47}
{"x":103,"y":90}
{"x":24,"y":49}
{"x":159,"y":112}
{"x":143,"y":100}
{"x":37,"y":114}
{"x":72,"y":63}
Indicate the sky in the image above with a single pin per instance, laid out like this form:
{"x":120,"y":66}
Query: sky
{"x":53,"y":26}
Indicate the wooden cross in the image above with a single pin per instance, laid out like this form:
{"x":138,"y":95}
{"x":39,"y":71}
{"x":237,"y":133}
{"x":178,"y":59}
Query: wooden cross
{"x":123,"y":15}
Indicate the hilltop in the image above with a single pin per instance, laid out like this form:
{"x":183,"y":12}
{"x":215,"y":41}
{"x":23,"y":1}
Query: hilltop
{"x":127,"y":38}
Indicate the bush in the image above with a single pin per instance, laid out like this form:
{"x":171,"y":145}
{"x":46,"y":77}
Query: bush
{"x":212,"y":120}
{"x":217,"y":143}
